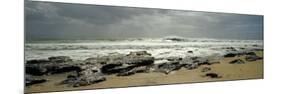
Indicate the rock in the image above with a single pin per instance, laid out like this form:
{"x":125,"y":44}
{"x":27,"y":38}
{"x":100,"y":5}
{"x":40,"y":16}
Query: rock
{"x":189,"y":51}
{"x":168,"y":67}
{"x":35,"y":69}
{"x":139,"y":53}
{"x":255,"y":45}
{"x":84,"y":78}
{"x":250,"y":53}
{"x":252,"y":58}
{"x":29,"y":80}
{"x":138,"y":60}
{"x":237,"y":61}
{"x":174,"y":39}
{"x":60,"y":59}
{"x":230,"y":55}
{"x":97,"y":60}
{"x":194,"y":62}
{"x":212,"y":75}
{"x":205,"y":69}
{"x":141,"y":69}
{"x":112,"y":68}
{"x":175,"y":59}
{"x":49,"y":67}
{"x":127,"y":62}
{"x":39,"y":61}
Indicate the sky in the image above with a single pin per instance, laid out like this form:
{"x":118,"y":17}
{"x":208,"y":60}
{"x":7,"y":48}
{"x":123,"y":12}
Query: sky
{"x":62,"y":21}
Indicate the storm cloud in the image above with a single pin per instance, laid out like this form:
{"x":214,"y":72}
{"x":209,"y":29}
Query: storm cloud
{"x":48,"y":20}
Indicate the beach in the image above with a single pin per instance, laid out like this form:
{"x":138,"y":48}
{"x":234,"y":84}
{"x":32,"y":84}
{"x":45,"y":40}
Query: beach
{"x":226,"y":71}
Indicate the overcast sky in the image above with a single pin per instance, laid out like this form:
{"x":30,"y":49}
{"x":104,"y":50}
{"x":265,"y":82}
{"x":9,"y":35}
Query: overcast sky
{"x":47,"y":20}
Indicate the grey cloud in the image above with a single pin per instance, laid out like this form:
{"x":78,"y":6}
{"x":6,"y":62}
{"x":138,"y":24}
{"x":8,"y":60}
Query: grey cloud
{"x":72,"y":21}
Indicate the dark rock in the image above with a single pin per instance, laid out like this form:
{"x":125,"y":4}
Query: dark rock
{"x":189,"y":51}
{"x":29,"y":80}
{"x":168,"y":67}
{"x":212,"y":75}
{"x":230,"y":55}
{"x":139,"y":53}
{"x":175,"y":39}
{"x":205,"y":69}
{"x":250,"y":53}
{"x":252,"y":58}
{"x":127,"y":62}
{"x":49,"y":68}
{"x":255,"y":45}
{"x":39,"y":61}
{"x":194,"y":62}
{"x":237,"y":61}
{"x":112,"y":68}
{"x":142,"y":69}
{"x":84,"y":78}
{"x":35,"y":70}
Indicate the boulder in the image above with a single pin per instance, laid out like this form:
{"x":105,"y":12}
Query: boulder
{"x":237,"y":61}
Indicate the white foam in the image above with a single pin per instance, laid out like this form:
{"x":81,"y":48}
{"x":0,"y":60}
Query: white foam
{"x":157,"y":47}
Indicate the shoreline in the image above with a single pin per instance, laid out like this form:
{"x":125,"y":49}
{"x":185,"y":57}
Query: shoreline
{"x":228,"y":72}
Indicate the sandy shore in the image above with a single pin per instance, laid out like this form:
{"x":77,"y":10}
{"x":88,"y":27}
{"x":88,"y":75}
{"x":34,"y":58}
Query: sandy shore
{"x":249,"y":70}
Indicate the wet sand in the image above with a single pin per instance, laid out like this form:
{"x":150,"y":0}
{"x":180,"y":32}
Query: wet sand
{"x":249,"y":70}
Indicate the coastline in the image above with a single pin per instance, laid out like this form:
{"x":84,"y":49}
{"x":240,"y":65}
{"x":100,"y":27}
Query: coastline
{"x":249,"y":70}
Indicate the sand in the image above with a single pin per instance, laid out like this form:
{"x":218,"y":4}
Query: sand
{"x":249,"y":70}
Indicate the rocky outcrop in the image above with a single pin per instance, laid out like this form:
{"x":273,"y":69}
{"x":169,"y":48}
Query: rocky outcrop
{"x":127,"y":62}
{"x":54,"y":65}
{"x":95,"y":69}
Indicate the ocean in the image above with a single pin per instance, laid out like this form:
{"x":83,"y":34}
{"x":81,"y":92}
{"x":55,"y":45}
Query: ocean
{"x":158,"y":47}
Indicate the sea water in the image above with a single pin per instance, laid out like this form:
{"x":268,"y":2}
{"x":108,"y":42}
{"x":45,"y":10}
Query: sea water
{"x":159,"y":48}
